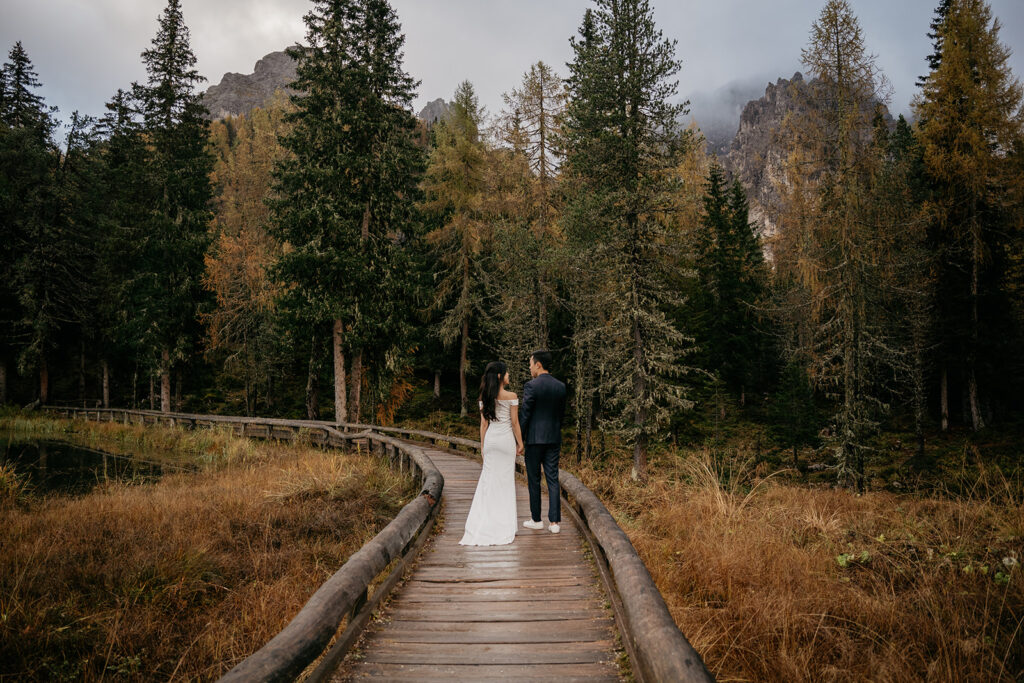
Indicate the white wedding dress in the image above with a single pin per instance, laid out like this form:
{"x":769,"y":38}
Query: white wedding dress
{"x":492,"y":514}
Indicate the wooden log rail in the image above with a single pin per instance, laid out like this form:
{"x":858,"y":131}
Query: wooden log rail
{"x":657,"y":649}
{"x":345,"y":593}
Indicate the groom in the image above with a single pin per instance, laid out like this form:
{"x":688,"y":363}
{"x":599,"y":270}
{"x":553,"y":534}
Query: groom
{"x":540,"y":419}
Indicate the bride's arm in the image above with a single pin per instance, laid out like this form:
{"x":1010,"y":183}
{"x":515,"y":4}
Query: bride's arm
{"x":483,"y":427}
{"x":516,"y":430}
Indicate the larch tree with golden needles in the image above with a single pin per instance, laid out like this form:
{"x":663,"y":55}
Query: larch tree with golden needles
{"x":524,"y":208}
{"x":240,"y":325}
{"x":454,"y":188}
{"x":833,"y":252}
{"x":971,"y":125}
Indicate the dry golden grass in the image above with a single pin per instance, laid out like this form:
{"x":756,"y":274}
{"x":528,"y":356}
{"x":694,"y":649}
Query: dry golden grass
{"x":181,"y":578}
{"x":773,"y":581}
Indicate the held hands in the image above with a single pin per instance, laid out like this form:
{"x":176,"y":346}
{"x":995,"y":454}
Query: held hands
{"x":520,"y":449}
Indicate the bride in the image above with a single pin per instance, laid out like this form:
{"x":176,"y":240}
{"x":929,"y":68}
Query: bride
{"x":492,"y":514}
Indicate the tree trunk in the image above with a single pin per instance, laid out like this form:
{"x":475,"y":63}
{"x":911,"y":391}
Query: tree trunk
{"x":639,"y":411}
{"x":177,"y":389}
{"x":44,"y":381}
{"x":165,"y":380}
{"x":81,"y":372}
{"x":977,"y":421}
{"x":340,"y":398}
{"x":152,"y":392}
{"x":462,"y":366}
{"x":356,"y":386}
{"x":437,"y":385}
{"x":944,"y":397}
{"x":312,"y":382}
{"x":105,"y":365}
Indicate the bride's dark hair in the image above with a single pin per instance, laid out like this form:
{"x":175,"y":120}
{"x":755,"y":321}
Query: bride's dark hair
{"x":490,"y":385}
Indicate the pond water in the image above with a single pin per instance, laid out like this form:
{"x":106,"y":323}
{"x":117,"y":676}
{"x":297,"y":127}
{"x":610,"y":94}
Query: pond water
{"x":53,"y":466}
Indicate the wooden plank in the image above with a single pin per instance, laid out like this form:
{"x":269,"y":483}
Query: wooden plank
{"x":494,"y":653}
{"x":459,"y":594}
{"x":551,"y":631}
{"x":562,"y":673}
{"x":531,"y":609}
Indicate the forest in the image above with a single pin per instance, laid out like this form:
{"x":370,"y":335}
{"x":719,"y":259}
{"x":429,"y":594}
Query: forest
{"x":332,"y":256}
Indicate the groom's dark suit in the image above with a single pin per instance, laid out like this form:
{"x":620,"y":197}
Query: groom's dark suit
{"x":540,"y":420}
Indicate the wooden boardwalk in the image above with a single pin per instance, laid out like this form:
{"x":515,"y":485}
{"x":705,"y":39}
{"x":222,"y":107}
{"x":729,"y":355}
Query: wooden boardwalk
{"x":532,"y":610}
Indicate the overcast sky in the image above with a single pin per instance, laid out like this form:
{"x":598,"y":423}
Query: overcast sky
{"x":84,"y":50}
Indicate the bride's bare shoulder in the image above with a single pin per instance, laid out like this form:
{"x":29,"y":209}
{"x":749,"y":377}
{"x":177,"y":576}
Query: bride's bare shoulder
{"x":506,"y":396}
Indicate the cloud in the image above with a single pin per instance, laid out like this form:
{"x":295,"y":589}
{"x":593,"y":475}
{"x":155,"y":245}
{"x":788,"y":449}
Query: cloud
{"x":85,"y":49}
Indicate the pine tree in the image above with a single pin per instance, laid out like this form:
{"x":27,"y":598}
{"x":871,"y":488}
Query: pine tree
{"x":454,"y":188}
{"x":33,"y":303}
{"x":733,"y":277}
{"x":970,"y":111}
{"x":832,"y":251}
{"x":346,"y":196}
{"x":178,"y":167}
{"x":127,"y":194}
{"x":622,"y":140}
{"x":935,"y":33}
{"x":22,"y":106}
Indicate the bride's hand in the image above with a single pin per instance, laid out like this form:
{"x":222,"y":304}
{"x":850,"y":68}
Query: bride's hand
{"x":520,"y":449}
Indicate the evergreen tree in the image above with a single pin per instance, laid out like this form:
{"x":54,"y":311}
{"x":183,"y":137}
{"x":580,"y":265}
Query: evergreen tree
{"x":127,"y":195}
{"x":732,"y":274}
{"x":176,"y":231}
{"x":792,"y":410}
{"x":454,"y":187}
{"x":622,"y":140}
{"x":23,"y":107}
{"x":346,"y":196}
{"x":830,"y":248}
{"x":33,"y":304}
{"x":971,"y":121}
{"x":935,"y":33}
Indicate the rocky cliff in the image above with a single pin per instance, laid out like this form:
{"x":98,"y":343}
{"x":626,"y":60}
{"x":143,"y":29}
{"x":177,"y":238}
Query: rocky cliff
{"x":756,"y":154}
{"x":241,"y":93}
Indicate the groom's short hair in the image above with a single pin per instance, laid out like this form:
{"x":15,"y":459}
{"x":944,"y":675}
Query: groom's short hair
{"x":543,"y":357}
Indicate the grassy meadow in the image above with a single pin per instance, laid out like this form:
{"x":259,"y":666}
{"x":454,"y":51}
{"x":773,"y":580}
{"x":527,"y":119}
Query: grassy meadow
{"x":185,"y":576}
{"x":776,"y":574}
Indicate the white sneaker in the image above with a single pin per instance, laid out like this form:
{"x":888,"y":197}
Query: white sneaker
{"x":554,"y":528}
{"x":530,"y":524}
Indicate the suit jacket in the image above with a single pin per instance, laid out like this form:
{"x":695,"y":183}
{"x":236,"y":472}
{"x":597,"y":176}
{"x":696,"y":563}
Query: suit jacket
{"x":542,"y":409}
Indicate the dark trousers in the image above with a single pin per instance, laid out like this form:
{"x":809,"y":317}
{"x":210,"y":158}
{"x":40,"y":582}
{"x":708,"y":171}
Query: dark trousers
{"x":545,"y":454}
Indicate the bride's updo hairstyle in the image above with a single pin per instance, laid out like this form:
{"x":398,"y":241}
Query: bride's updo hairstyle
{"x":490,"y":385}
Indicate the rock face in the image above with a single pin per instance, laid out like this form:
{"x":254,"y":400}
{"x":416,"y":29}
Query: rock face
{"x":241,"y":93}
{"x":435,"y":111}
{"x":756,"y":154}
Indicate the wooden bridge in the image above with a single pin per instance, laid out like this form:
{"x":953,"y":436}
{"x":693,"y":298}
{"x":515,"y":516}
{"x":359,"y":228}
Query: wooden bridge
{"x":578,"y":605}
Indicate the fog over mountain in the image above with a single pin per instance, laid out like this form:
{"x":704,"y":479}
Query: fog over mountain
{"x":717,"y":112}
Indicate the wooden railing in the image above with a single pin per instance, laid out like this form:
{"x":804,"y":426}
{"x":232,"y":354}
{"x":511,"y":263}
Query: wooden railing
{"x":657,"y":649}
{"x":309,"y":633}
